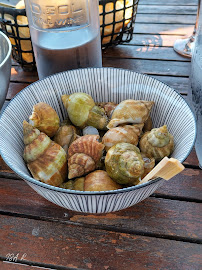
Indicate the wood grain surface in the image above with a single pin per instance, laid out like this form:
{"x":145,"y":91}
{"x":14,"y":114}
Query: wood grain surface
{"x":155,"y":216}
{"x":162,"y":232}
{"x":156,"y":9}
{"x":79,"y":247}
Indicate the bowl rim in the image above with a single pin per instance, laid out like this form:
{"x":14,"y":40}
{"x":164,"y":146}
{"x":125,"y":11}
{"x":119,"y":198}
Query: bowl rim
{"x":9,"y":49}
{"x":92,"y":193}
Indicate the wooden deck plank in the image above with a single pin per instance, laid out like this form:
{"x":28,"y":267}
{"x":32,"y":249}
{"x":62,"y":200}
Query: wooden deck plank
{"x":192,"y":159}
{"x":144,"y":52}
{"x":187,"y":184}
{"x":156,"y":9}
{"x":3,"y":167}
{"x":169,"y":3}
{"x":18,"y":75}
{"x":154,"y":216}
{"x":75,"y":246}
{"x":161,"y":216}
{"x":168,"y":19}
{"x":5,"y":265}
{"x":157,"y":40}
{"x":4,"y":106}
{"x":167,"y":29}
{"x":151,"y":67}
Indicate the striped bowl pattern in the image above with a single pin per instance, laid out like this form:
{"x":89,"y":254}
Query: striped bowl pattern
{"x":103,"y":84}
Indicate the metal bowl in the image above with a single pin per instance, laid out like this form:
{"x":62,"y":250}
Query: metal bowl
{"x":5,"y":66}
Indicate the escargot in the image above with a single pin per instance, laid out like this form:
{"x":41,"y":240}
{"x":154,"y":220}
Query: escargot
{"x":76,"y":184}
{"x":83,"y":112}
{"x":130,"y":112}
{"x":157,"y":143}
{"x":65,"y":135}
{"x":99,"y":181}
{"x":45,"y":118}
{"x":124,"y":163}
{"x":126,"y":133}
{"x":84,"y":155}
{"x":46,"y":160}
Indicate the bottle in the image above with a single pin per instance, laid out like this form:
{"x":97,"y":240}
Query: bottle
{"x":196,"y":86}
{"x":65,"y":34}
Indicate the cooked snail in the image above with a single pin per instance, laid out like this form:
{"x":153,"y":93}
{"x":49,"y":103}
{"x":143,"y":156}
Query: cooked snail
{"x":157,"y":143}
{"x":126,"y":133}
{"x":108,"y":107}
{"x":124,"y":163}
{"x":45,"y":118}
{"x":99,"y":181}
{"x":77,"y":184}
{"x":84,"y":155}
{"x":65,"y":135}
{"x":130,"y":112}
{"x":149,"y":163}
{"x":83,"y":112}
{"x":46,"y":160}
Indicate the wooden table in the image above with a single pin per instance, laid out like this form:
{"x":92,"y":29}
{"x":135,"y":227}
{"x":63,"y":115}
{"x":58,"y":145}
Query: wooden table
{"x":162,"y":232}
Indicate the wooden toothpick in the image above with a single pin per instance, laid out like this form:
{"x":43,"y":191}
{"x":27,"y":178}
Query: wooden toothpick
{"x":166,"y":169}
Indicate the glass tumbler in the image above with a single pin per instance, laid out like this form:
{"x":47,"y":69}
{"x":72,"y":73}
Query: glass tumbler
{"x":65,"y":34}
{"x":196,"y":86}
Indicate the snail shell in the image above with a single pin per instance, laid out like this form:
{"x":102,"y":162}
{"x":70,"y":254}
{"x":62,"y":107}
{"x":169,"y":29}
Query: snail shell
{"x":149,"y":163}
{"x":126,"y":133}
{"x":83,"y":112}
{"x":147,"y":125}
{"x":77,"y":184}
{"x":46,"y":160}
{"x":130,"y":111}
{"x":108,"y":107}
{"x":157,"y":143}
{"x":45,"y":118}
{"x":83,"y":155}
{"x":65,"y":135}
{"x":124,"y":163}
{"x":89,"y":130}
{"x":99,"y":181}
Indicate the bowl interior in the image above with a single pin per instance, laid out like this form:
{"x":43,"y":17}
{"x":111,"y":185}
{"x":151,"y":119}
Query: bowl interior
{"x":103,"y":84}
{"x":5,"y":48}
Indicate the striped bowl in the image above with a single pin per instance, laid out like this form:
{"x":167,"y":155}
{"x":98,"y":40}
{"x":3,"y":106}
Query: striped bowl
{"x":103,"y":84}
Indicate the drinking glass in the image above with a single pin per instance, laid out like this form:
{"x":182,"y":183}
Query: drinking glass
{"x":65,"y":34}
{"x":185,"y":46}
{"x":196,"y":86}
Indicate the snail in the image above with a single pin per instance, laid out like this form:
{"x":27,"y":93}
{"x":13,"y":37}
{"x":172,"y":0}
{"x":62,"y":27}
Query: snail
{"x":84,"y":155}
{"x":46,"y":160}
{"x":45,"y":118}
{"x":157,"y":143}
{"x":65,"y":135}
{"x":130,"y":112}
{"x":124,"y":163}
{"x":83,"y":112}
{"x":99,"y":181}
{"x":126,"y":133}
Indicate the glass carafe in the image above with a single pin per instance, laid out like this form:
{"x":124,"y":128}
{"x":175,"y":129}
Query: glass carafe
{"x":65,"y":34}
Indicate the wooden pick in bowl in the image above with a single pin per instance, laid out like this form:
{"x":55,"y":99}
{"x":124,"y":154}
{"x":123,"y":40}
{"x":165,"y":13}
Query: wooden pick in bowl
{"x":166,"y":169}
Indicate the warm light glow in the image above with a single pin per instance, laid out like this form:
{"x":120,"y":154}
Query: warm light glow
{"x":13,"y":71}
